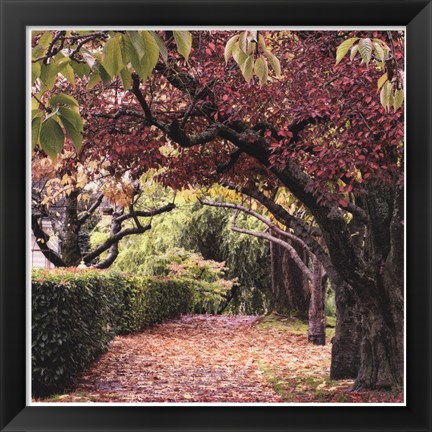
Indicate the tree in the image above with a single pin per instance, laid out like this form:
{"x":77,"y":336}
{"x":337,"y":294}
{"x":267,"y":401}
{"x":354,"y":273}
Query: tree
{"x":72,"y":204}
{"x":290,"y":287}
{"x":282,"y":239}
{"x":316,"y":131}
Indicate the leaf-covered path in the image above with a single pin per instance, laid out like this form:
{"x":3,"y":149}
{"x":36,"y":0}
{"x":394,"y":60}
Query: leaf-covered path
{"x":205,"y":358}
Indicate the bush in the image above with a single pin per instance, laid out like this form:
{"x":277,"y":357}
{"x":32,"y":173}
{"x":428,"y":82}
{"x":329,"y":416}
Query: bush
{"x":143,"y":301}
{"x":76,"y":313}
{"x":207,"y":278}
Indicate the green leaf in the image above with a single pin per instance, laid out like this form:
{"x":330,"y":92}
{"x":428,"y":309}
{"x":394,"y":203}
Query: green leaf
{"x":384,"y":46}
{"x":247,"y":68}
{"x":35,"y":103}
{"x":73,"y":117}
{"x":243,"y":41}
{"x":238,"y":55}
{"x":61,"y":61}
{"x":160,"y":43}
{"x":390,"y":101}
{"x":72,"y":132}
{"x":51,"y":138}
{"x":229,"y":47}
{"x":142,"y":51}
{"x":81,"y":69}
{"x":261,"y":42}
{"x":354,"y":51}
{"x":379,"y":52}
{"x":382,"y":80}
{"x":261,"y":69}
{"x":40,"y":49}
{"x":137,"y":42}
{"x":94,"y":79}
{"x":36,"y":112}
{"x":36,"y":127}
{"x":89,"y":59}
{"x":151,"y":55}
{"x":274,"y":62}
{"x":36,"y":70}
{"x":104,"y":75}
{"x":184,"y":43}
{"x":45,"y":39}
{"x":131,"y":53}
{"x":398,"y":99}
{"x":385,"y":94}
{"x":343,"y":48}
{"x":126,"y":78}
{"x":68,"y":73}
{"x":63,"y":99}
{"x":48,"y":75}
{"x":251,"y":47}
{"x":112,"y":57}
{"x":365,"y":49}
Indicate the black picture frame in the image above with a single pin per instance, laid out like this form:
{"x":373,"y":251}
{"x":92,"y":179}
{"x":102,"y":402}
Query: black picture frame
{"x":16,"y":15}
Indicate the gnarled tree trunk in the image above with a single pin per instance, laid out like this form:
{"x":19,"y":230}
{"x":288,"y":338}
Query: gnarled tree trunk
{"x":345,"y":361}
{"x":382,"y":307}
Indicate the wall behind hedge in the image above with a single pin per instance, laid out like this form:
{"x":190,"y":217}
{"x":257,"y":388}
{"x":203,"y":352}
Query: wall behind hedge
{"x":75,"y":314}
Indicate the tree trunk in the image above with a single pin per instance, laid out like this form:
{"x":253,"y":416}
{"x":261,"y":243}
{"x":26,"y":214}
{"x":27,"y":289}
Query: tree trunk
{"x":113,"y":251}
{"x":382,"y":307}
{"x":345,"y":361}
{"x":70,"y":249}
{"x":290,"y":289}
{"x":381,"y":351}
{"x":317,"y":323}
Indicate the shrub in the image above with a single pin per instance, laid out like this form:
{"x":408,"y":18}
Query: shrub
{"x":143,"y":301}
{"x":75,"y":313}
{"x":208,"y":280}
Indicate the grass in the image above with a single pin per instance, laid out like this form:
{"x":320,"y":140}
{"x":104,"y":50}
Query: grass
{"x":305,"y":383}
{"x":284,"y":323}
{"x":310,"y":389}
{"x":294,"y":325}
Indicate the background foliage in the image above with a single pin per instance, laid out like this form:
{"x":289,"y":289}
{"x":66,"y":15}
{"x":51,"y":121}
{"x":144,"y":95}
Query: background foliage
{"x":190,"y":230}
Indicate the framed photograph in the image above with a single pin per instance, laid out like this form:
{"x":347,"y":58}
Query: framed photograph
{"x":215,"y":215}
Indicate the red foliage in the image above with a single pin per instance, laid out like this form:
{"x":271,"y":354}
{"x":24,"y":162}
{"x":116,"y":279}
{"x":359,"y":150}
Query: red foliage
{"x":349,"y":137}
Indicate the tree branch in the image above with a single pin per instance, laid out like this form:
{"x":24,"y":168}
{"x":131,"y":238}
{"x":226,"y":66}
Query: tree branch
{"x":86,"y":214}
{"x":116,"y":234}
{"x":114,"y":239}
{"x":293,"y":253}
{"x":42,"y":239}
{"x":149,"y":213}
{"x":261,"y":218}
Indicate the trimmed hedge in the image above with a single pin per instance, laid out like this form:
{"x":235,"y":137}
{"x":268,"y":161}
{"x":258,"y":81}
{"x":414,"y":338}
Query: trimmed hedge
{"x":75,"y":314}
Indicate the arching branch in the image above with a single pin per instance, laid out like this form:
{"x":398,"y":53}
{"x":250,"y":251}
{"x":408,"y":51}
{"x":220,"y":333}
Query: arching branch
{"x":42,"y":239}
{"x":261,"y":218}
{"x":112,"y":240}
{"x":263,"y":235}
{"x":116,"y":233}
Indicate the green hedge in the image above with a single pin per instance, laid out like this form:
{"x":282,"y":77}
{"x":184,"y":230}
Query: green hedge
{"x":75,"y":314}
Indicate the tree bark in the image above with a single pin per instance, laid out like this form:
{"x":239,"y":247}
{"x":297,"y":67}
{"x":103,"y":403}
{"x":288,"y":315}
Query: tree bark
{"x":290,"y":289}
{"x":71,"y":253}
{"x":345,"y":361}
{"x":317,"y":323}
{"x":382,"y":308}
{"x":113,"y":251}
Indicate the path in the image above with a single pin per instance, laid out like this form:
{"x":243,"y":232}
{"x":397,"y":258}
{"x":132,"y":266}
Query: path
{"x":197,"y":358}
